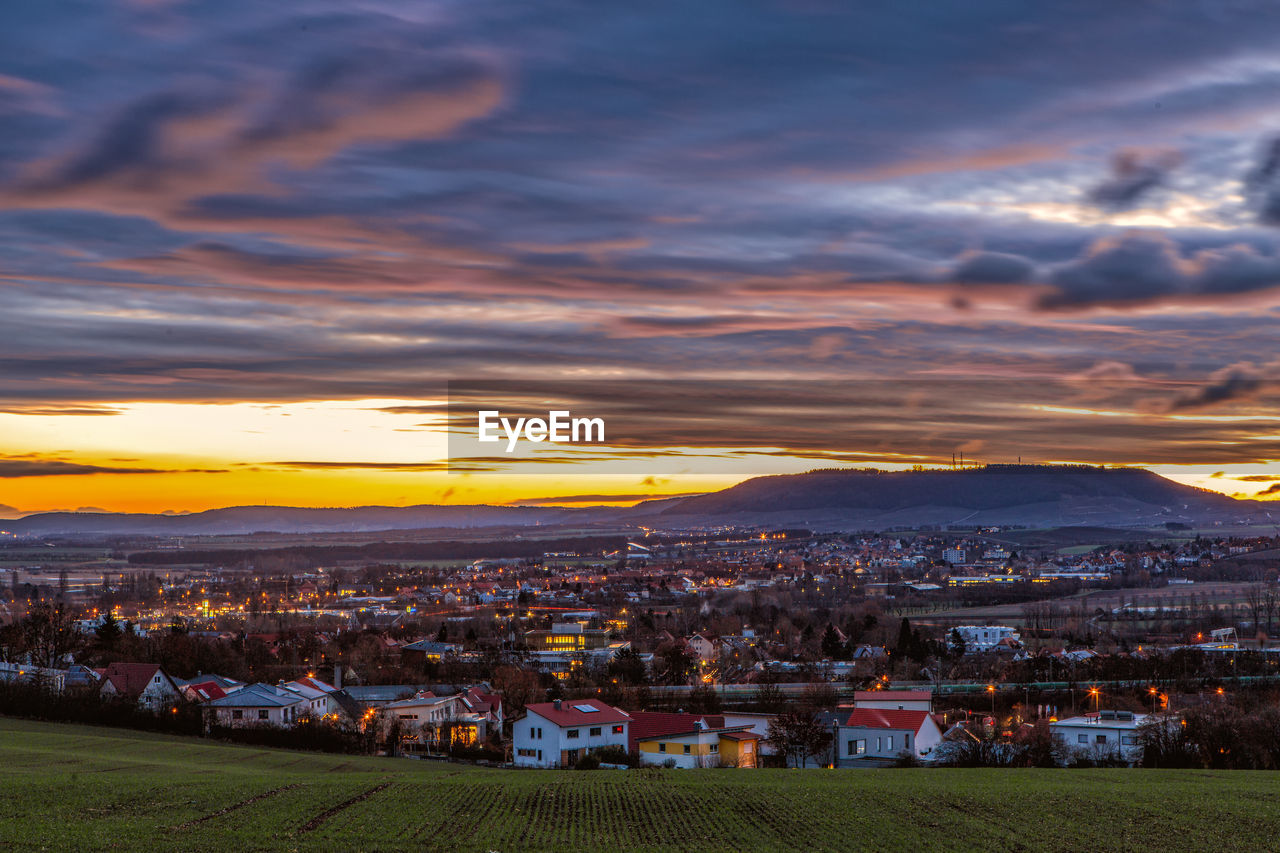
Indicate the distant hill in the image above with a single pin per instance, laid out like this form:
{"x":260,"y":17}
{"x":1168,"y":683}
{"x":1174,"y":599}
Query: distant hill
{"x":1031,"y":495}
{"x":1034,"y":495}
{"x":281,"y":519}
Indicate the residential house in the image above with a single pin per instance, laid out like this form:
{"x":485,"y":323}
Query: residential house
{"x":1103,"y":733}
{"x":204,"y":688}
{"x":985,"y":638}
{"x":703,"y":648}
{"x":435,"y":721}
{"x":692,"y":740}
{"x":894,"y":700}
{"x":53,"y":680}
{"x":873,"y":736}
{"x":557,"y":734}
{"x":257,"y":705}
{"x":321,"y":701}
{"x":144,"y":683}
{"x":428,"y":650}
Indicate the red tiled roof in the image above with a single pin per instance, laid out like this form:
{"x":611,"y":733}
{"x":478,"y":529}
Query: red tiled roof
{"x":130,"y":679}
{"x":568,"y":715}
{"x":207,"y":690}
{"x":316,"y":684}
{"x":876,"y":718}
{"x":891,"y":695}
{"x":647,"y":724}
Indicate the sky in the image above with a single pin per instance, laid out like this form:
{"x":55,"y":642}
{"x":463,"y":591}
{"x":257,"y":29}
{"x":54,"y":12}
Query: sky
{"x":273,"y":252}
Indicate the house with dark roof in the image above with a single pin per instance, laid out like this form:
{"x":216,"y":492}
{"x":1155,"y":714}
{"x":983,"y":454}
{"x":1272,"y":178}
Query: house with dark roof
{"x":147,"y":684}
{"x":256,"y":705}
{"x":874,"y":737}
{"x":557,"y":734}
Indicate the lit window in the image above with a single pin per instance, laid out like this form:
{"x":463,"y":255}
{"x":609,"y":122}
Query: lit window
{"x":617,"y":730}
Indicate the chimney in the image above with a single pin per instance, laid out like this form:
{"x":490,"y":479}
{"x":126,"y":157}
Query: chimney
{"x":337,"y":676}
{"x":557,"y":704}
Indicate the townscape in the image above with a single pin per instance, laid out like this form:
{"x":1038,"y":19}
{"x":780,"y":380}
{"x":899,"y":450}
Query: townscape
{"x":740,"y":648}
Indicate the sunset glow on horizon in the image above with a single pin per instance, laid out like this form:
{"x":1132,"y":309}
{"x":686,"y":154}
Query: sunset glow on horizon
{"x":244,"y":247}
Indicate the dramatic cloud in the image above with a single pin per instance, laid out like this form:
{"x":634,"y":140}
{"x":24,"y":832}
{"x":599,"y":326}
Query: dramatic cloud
{"x":1134,"y":172}
{"x":1139,"y":266}
{"x":240,"y":201}
{"x":1231,"y":383}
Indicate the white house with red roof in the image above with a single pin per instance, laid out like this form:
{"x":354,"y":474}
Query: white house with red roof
{"x":319,"y":695}
{"x":145,"y":683}
{"x":872,"y":737}
{"x":557,"y":734}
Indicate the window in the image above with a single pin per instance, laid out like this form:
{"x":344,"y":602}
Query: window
{"x":662,"y":747}
{"x":539,"y":755}
{"x":906,"y":741}
{"x":850,"y":747}
{"x":1082,"y":738}
{"x":889,"y":743}
{"x":594,"y":732}
{"x":237,"y":714}
{"x":862,"y":747}
{"x":746,"y":747}
{"x":686,"y":749}
{"x":572,"y":733}
{"x":1101,"y":739}
{"x":878,"y":747}
{"x":1129,"y":740}
{"x":262,"y":715}
{"x":715,"y":747}
{"x":617,"y":730}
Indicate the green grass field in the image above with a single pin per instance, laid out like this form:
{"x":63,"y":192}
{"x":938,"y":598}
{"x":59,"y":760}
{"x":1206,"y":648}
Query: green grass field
{"x":68,"y":787}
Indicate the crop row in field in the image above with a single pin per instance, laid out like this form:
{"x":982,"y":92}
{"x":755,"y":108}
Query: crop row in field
{"x":73,"y":786}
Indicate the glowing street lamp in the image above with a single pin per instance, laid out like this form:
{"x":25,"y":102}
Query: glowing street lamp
{"x":991,"y":688}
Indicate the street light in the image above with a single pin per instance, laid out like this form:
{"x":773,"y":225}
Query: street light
{"x":991,"y":688}
{"x":1154,"y":695}
{"x":1097,"y":700}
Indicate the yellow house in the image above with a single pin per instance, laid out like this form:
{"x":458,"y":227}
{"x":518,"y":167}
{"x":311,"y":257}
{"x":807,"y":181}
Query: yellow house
{"x":689,"y":741}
